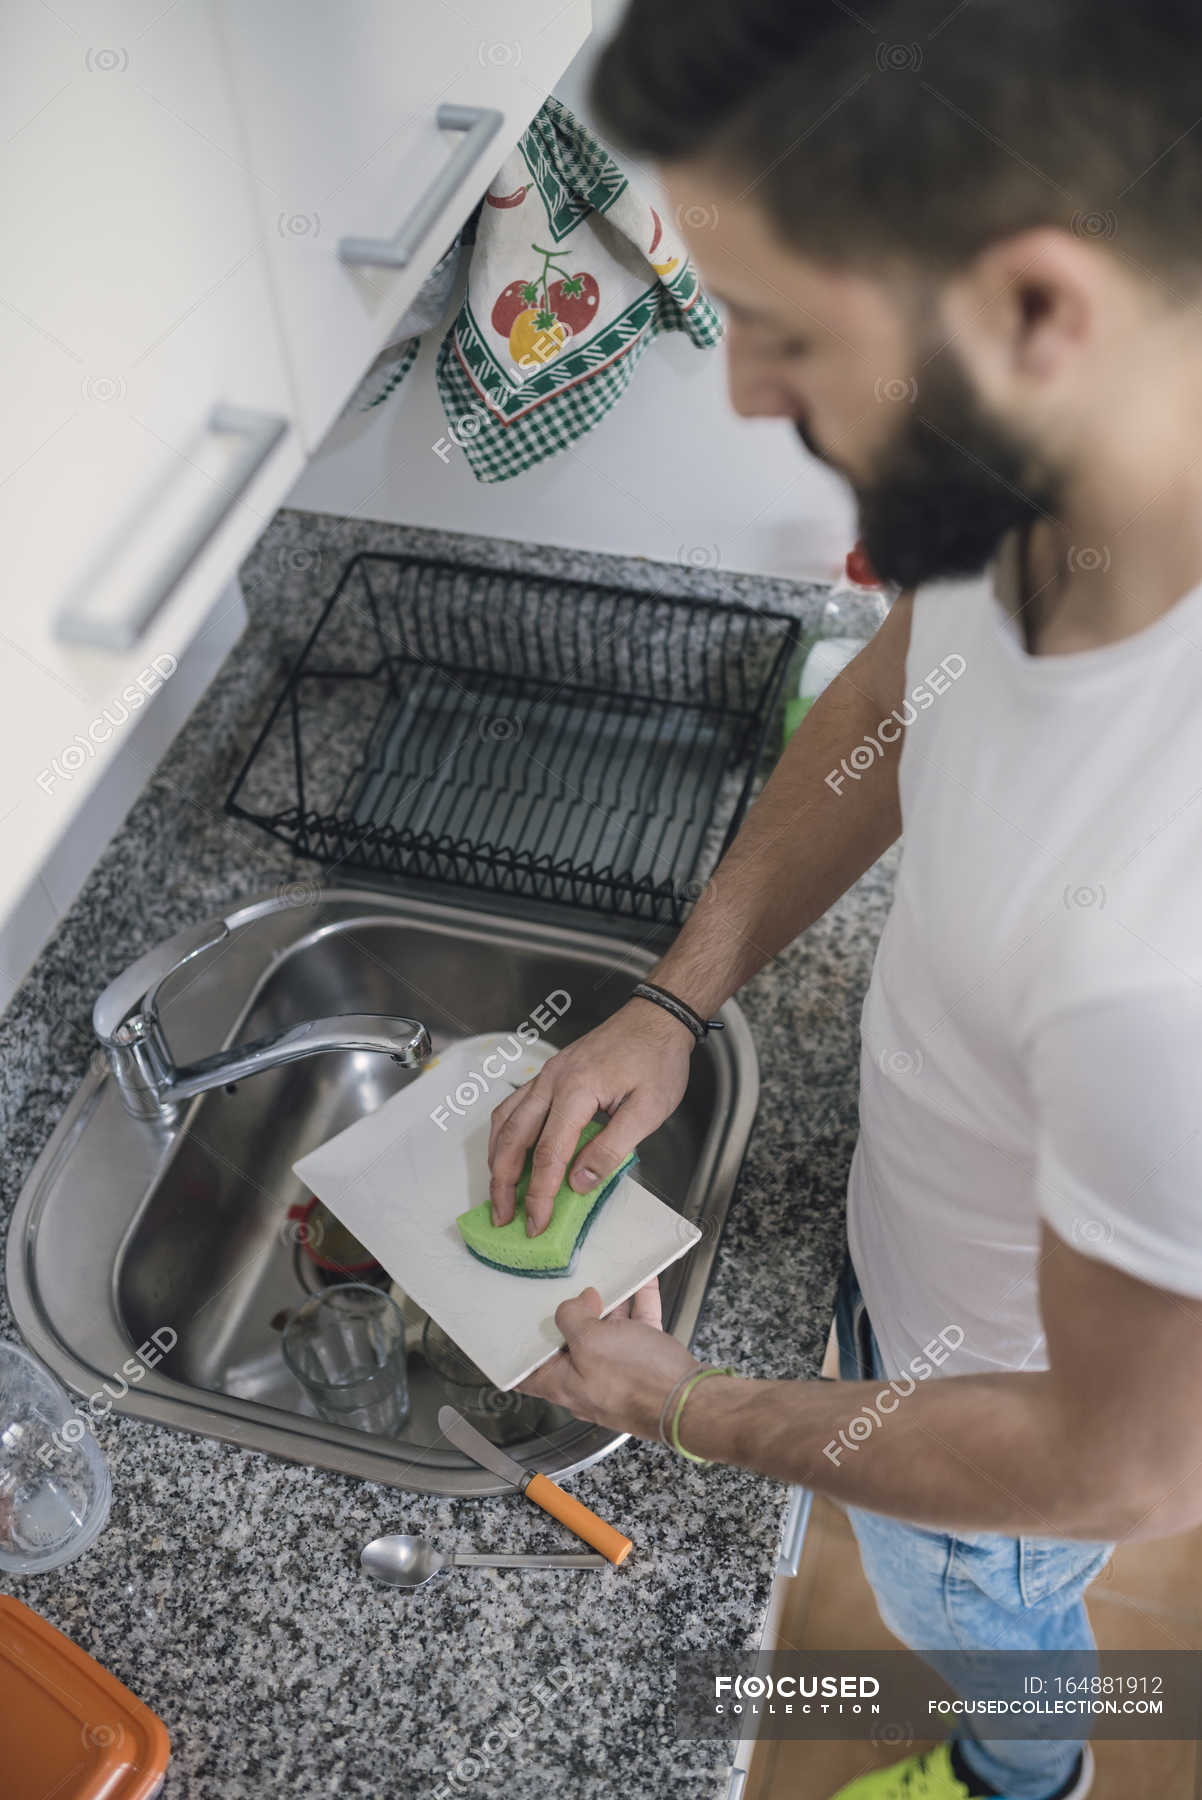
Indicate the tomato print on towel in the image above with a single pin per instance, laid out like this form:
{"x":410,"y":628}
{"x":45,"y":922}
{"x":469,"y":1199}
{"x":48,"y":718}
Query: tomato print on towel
{"x":537,"y":317}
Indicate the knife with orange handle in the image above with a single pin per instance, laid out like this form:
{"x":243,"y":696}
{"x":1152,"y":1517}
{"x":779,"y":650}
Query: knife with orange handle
{"x":538,"y":1488}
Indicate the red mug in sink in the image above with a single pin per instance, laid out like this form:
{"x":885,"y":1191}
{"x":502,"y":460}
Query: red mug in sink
{"x":326,"y":1241}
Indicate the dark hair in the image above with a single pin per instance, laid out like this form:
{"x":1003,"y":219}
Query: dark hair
{"x":934,"y":131}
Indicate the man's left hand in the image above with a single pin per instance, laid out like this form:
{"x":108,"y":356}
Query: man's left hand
{"x":616,"y":1371}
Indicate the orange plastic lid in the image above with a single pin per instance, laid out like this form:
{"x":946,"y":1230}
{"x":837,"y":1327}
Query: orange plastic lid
{"x":68,"y":1727}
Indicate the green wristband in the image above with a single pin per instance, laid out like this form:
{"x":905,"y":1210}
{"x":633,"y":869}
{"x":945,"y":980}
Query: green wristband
{"x":688,"y":1388}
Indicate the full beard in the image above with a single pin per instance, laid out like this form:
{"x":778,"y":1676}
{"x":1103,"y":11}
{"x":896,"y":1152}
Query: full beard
{"x":948,"y":486}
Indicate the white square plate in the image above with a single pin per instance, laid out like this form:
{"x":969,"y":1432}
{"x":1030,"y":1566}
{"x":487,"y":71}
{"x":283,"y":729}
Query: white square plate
{"x":400,"y":1177}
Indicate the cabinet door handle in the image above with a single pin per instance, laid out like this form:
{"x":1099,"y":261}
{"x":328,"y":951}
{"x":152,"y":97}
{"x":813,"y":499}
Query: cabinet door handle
{"x":793,"y":1538}
{"x":100,"y":611}
{"x":480,"y":124}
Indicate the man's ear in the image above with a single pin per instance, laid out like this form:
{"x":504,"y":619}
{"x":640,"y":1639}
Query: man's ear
{"x":1037,"y":294}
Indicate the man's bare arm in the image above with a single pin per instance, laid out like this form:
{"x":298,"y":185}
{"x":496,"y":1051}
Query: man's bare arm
{"x":1107,"y":1443}
{"x":801,"y":846}
{"x":805,"y":841}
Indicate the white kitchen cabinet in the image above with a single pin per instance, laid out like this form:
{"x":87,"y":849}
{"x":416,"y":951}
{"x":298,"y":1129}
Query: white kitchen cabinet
{"x":175,"y":183}
{"x":136,"y":305}
{"x":340,"y":106}
{"x":670,"y":473}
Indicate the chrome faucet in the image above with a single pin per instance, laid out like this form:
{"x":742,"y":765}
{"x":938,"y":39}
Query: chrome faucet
{"x":126,"y":1021}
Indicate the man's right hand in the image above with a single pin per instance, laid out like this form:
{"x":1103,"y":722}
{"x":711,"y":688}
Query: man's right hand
{"x":635,"y":1067}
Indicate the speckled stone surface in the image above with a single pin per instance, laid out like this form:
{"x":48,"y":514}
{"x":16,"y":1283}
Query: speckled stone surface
{"x":225,"y":1590}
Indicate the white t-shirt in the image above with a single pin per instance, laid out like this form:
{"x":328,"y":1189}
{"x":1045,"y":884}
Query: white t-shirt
{"x":1032,"y":1034}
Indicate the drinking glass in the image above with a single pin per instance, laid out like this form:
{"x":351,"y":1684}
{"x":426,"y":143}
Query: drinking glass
{"x":502,"y":1415}
{"x":346,"y":1347}
{"x":55,"y":1489}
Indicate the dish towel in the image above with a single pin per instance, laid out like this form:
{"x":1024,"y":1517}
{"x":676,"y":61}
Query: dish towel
{"x":572,"y":274}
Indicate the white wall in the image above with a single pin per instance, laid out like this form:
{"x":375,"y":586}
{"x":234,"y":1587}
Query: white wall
{"x":670,"y":472}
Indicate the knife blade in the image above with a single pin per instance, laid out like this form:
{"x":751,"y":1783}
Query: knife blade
{"x":482,"y":1450}
{"x":537,"y":1488}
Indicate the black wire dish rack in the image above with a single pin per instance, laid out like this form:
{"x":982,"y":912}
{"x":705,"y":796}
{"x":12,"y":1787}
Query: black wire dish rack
{"x":545,"y":739}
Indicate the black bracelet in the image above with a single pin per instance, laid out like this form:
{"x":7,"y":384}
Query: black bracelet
{"x":679,"y":1009}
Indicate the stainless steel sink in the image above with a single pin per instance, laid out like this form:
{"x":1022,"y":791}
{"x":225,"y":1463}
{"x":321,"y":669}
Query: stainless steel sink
{"x":127,"y":1227}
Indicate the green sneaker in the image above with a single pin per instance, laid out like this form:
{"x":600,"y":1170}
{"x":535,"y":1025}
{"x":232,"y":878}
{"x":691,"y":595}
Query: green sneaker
{"x":932,"y":1777}
{"x":926,"y":1777}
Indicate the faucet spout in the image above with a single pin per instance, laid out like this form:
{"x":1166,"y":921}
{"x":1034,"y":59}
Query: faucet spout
{"x":406,"y":1040}
{"x":127,"y":1024}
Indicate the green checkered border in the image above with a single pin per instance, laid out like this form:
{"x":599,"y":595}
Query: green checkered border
{"x":571,"y":171}
{"x":396,"y":374}
{"x":503,"y":431}
{"x":496,"y":450}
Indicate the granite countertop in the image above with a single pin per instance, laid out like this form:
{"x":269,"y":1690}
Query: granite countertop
{"x":225,"y":1589}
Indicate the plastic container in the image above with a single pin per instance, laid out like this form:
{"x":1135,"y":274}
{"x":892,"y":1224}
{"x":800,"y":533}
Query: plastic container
{"x":55,"y":1489}
{"x":68,"y":1728}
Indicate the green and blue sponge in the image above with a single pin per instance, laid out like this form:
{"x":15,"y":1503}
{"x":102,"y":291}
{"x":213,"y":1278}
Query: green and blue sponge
{"x":553,"y":1251}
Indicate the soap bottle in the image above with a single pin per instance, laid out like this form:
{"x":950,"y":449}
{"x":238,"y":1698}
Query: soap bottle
{"x":854,"y":610}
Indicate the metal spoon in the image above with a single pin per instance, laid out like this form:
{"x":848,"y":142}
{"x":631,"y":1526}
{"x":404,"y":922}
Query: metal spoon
{"x":409,"y":1562}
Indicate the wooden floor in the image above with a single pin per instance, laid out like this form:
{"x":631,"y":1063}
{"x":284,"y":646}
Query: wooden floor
{"x":1149,"y":1597}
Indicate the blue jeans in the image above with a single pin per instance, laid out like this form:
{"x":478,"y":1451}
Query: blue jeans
{"x":973,"y":1591}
